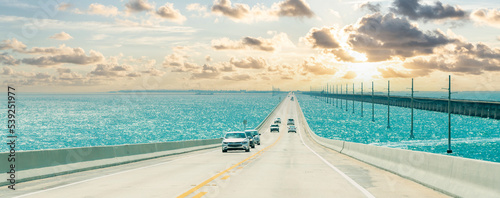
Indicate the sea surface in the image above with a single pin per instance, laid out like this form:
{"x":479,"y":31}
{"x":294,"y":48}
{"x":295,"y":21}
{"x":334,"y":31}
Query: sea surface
{"x":54,"y":121}
{"x":472,"y":137}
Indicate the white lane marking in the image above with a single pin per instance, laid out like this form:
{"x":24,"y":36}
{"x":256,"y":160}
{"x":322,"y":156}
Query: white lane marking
{"x":95,"y":178}
{"x":359,"y":187}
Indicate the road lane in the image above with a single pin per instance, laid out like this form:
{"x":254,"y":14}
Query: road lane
{"x":164,"y":177}
{"x":288,"y":168}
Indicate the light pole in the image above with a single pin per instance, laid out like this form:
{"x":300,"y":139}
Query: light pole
{"x":388,"y":104}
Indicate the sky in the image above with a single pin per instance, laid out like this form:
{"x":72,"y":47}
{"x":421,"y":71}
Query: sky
{"x":100,"y":46}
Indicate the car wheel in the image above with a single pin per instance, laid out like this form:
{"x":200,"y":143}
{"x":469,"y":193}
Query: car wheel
{"x":224,"y":151}
{"x":258,"y":143}
{"x":253,"y":146}
{"x":247,"y":150}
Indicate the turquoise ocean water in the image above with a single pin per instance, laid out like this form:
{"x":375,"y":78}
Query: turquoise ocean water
{"x":52,"y":121}
{"x":472,"y":137}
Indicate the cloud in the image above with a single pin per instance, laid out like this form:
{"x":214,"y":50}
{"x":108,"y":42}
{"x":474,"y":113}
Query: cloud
{"x":322,"y":38}
{"x":370,"y":6}
{"x":392,"y":73}
{"x":489,"y":17}
{"x":154,"y":72}
{"x":134,"y":6}
{"x":74,"y":56}
{"x":350,"y":75}
{"x":61,"y":36}
{"x":13,"y":44}
{"x":464,"y":58}
{"x":64,"y":6}
{"x":168,"y":12}
{"x":99,"y":9}
{"x":249,"y":63}
{"x":268,"y":45}
{"x":206,"y":72}
{"x":415,"y":11}
{"x":224,"y":7}
{"x":295,"y":8}
{"x":208,"y":58}
{"x":7,"y":71}
{"x":238,"y":77}
{"x":110,"y":70}
{"x":201,"y":9}
{"x":239,"y":12}
{"x":7,"y":59}
{"x":313,"y":66}
{"x":382,"y":37}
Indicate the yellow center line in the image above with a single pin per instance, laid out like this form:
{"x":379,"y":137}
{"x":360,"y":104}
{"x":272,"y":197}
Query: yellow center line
{"x":200,"y":194}
{"x":225,"y":177}
{"x":223,"y":172}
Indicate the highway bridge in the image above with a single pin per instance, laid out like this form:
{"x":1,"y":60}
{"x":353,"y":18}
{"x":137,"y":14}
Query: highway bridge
{"x":484,"y":109}
{"x":284,"y":165}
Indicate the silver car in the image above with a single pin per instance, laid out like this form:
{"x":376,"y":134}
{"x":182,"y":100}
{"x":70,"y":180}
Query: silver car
{"x":256,"y":136}
{"x":235,"y":141}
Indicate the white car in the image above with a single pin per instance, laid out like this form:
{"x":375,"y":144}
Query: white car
{"x":292,"y":128}
{"x":290,"y":122}
{"x":235,"y":141}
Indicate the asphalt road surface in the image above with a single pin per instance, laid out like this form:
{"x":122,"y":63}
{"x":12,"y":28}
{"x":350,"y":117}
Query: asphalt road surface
{"x":284,"y":165}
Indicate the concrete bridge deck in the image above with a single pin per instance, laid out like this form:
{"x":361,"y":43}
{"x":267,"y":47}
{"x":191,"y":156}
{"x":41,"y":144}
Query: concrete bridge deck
{"x":484,"y":109}
{"x":284,"y":165}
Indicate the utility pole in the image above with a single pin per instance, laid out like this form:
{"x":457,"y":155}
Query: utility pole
{"x":411,"y":131}
{"x":362,"y":99}
{"x":449,"y":115}
{"x":346,"y":88}
{"x":352,"y":97}
{"x":388,"y":104}
{"x":337,"y":99}
{"x":373,"y":105}
{"x":341,"y":91}
{"x":327,"y":99}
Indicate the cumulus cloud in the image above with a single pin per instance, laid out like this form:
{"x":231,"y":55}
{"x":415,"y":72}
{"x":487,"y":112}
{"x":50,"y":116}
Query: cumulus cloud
{"x":168,"y":12}
{"x":64,"y":6}
{"x":61,"y":36}
{"x":370,"y":6}
{"x":349,"y":75}
{"x":244,"y":13}
{"x":99,"y":9}
{"x":179,"y":63}
{"x":322,"y":38}
{"x":382,"y":37}
{"x":154,"y":72}
{"x":464,"y":58}
{"x":268,"y":45}
{"x":134,"y":6}
{"x":206,"y":72}
{"x":238,"y":77}
{"x":13,"y":44}
{"x":7,"y":71}
{"x":313,"y":66}
{"x":414,"y":10}
{"x":489,"y":17}
{"x":294,"y":8}
{"x":201,"y":9}
{"x":7,"y":59}
{"x":60,"y":56}
{"x":110,"y":70}
{"x":249,"y":63}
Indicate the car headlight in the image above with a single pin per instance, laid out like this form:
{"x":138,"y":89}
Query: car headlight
{"x":224,"y":143}
{"x":244,"y":142}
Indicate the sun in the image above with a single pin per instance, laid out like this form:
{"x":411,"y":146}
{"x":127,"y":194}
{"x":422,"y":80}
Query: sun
{"x":364,"y":71}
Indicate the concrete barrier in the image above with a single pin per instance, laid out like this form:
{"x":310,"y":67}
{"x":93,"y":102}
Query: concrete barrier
{"x":31,"y":165}
{"x":455,"y":176}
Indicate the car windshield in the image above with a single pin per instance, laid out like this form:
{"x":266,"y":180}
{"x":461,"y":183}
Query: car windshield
{"x":255,"y":133}
{"x":235,"y":135}
{"x":248,"y":133}
{"x":290,"y":119}
{"x":274,"y":125}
